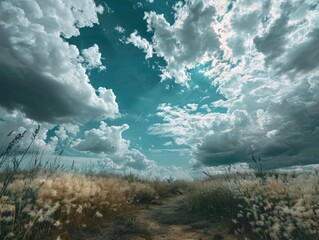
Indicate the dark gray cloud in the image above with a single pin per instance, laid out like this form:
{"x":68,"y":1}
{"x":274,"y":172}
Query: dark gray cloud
{"x":272,"y":44}
{"x":272,"y":92}
{"x":219,"y":149}
{"x":44,"y":98}
{"x":246,"y":23}
{"x":304,"y":57}
{"x":283,"y":134}
{"x":42,"y":75}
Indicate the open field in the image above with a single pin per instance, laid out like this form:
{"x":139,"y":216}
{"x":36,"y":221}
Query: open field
{"x":66,"y":205}
{"x":159,"y":120}
{"x":46,"y":201}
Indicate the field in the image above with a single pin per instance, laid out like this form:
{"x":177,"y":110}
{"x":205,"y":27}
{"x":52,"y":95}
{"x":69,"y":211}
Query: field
{"x":68,"y":205}
{"x":46,"y":201}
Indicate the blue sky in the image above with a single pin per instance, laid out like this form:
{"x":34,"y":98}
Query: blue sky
{"x":163,"y":86}
{"x":138,"y":86}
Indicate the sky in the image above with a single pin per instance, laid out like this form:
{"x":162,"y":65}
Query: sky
{"x":163,"y":87}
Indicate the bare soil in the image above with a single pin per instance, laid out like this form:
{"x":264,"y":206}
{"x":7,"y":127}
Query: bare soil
{"x":165,"y":220}
{"x":168,"y":221}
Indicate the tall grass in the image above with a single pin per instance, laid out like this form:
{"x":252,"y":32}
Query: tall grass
{"x":279,"y":206}
{"x":266,"y":206}
{"x":44,"y":201}
{"x":212,"y":199}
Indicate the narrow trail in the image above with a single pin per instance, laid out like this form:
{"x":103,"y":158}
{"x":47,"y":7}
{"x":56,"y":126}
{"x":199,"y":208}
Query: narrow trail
{"x":163,"y":223}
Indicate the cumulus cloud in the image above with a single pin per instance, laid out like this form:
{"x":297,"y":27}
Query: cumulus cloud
{"x":15,"y":123}
{"x":272,"y":43}
{"x":119,"y":29}
{"x":41,"y":74}
{"x":105,"y":139}
{"x":108,"y":141}
{"x":305,"y":56}
{"x":150,"y":171}
{"x":189,"y":42}
{"x":268,"y":77}
{"x":141,"y":43}
{"x":182,"y":124}
{"x":137,"y":160}
{"x":66,"y":132}
{"x":92,"y":58}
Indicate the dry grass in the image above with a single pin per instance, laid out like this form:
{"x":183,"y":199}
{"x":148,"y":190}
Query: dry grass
{"x":47,"y":203}
{"x":274,"y":206}
{"x":261,"y":206}
{"x":66,"y":201}
{"x":279,"y":206}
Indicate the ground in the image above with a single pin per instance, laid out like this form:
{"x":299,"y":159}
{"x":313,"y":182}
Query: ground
{"x":166,"y":220}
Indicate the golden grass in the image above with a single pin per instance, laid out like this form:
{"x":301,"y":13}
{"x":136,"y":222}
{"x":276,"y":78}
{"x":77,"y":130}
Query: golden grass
{"x":55,"y":206}
{"x":269,"y":206}
{"x":66,"y":200}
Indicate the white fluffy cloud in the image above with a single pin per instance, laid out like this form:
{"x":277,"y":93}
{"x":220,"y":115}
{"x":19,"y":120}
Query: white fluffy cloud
{"x":66,"y":132}
{"x":147,"y":171}
{"x":141,"y":43}
{"x":182,"y":124}
{"x":92,"y":58}
{"x":15,"y":123}
{"x":105,"y":139}
{"x":189,"y":42}
{"x":269,"y":76}
{"x":136,"y":160}
{"x":119,"y":29}
{"x":41,"y":74}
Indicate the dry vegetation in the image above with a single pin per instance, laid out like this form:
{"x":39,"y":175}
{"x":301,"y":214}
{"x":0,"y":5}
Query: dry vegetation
{"x":63,"y":203}
{"x":47,"y":202}
{"x":267,"y":206}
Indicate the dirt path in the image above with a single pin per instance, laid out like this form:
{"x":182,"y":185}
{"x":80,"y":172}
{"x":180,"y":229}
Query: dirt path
{"x":165,"y":221}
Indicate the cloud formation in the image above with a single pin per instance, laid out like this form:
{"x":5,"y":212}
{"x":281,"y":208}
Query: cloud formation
{"x":185,"y":44}
{"x":42,"y":75}
{"x":108,"y":143}
{"x":12,"y":124}
{"x":141,"y":43}
{"x":105,"y":139}
{"x":92,"y":58}
{"x":268,"y":74}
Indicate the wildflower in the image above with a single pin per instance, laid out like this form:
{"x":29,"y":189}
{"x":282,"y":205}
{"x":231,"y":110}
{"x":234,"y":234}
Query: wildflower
{"x":267,"y":207}
{"x":234,"y":221}
{"x":79,"y":209}
{"x":57,"y":223}
{"x":98,"y":214}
